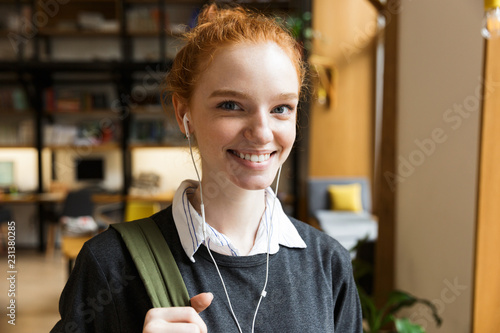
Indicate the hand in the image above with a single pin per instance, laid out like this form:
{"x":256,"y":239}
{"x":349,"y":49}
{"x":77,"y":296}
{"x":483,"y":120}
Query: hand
{"x":179,"y":319}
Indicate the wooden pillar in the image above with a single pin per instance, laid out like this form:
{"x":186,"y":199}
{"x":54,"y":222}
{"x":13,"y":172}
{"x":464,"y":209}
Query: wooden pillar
{"x":486,"y":311}
{"x":386,"y":189}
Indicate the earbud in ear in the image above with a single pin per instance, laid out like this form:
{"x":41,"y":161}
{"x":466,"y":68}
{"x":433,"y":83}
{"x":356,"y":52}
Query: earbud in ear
{"x":185,"y":121}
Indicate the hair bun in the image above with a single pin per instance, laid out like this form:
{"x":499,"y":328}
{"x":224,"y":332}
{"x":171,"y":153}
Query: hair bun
{"x":212,"y":12}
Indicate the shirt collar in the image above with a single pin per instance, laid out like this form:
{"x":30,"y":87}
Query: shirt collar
{"x":189,"y":225}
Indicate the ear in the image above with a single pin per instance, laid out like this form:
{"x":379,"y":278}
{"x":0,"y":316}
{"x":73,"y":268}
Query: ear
{"x":181,"y":108}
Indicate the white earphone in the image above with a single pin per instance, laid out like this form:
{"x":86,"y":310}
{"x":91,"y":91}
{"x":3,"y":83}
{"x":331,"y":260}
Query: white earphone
{"x":185,"y":121}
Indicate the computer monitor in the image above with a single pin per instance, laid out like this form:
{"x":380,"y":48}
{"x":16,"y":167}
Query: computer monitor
{"x":6,"y":174}
{"x":90,"y":169}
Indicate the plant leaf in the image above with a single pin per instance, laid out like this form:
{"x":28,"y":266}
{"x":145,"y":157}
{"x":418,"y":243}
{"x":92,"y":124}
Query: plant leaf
{"x":370,"y":312}
{"x":403,"y":325}
{"x":396,"y":301}
{"x":401,"y":299}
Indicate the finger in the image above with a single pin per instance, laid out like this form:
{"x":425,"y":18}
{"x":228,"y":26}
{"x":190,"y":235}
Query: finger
{"x":201,"y":301}
{"x":163,"y":326}
{"x":175,"y":315}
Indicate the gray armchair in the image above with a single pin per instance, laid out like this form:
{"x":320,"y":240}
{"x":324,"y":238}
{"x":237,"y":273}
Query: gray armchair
{"x":345,"y":226}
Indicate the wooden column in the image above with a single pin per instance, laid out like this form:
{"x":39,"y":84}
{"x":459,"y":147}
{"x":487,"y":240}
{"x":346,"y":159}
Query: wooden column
{"x":486,"y":316}
{"x":386,"y":189}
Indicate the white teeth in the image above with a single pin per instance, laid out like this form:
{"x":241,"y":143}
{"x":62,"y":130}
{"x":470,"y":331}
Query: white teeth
{"x":254,"y":158}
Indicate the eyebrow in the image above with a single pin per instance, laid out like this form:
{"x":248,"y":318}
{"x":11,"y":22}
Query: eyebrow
{"x":242,"y":95}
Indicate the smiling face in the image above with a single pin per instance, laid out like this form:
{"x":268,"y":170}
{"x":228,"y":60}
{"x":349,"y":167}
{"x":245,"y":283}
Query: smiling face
{"x":243,"y":113}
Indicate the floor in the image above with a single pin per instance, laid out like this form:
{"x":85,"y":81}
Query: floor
{"x":40,"y":280}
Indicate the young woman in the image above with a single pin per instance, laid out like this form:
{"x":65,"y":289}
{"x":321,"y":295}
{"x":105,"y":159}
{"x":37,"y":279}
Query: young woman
{"x":235,"y":87}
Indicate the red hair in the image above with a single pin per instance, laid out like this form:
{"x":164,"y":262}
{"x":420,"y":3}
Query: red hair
{"x":219,"y":27}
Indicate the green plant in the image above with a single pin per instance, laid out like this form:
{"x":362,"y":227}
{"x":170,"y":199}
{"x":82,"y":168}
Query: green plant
{"x":300,"y":27}
{"x":377,"y":318}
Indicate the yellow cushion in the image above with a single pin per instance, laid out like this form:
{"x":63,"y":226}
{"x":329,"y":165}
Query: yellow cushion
{"x":345,"y":197}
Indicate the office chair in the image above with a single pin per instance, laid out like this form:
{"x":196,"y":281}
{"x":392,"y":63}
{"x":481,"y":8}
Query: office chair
{"x":77,"y":204}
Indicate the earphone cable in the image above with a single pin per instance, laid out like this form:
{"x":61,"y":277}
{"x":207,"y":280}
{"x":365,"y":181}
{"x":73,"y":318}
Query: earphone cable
{"x":202,"y":207}
{"x":264,"y":292}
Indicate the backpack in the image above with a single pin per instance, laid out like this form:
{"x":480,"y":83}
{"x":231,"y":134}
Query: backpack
{"x":155,"y":262}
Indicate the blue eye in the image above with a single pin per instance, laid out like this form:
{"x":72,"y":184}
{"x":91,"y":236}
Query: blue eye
{"x":282,"y":109}
{"x":229,"y":105}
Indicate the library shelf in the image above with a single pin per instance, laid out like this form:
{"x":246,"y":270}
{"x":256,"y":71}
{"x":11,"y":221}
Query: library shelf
{"x":77,"y":33}
{"x":133,"y":146}
{"x":16,"y":146}
{"x":96,"y":147}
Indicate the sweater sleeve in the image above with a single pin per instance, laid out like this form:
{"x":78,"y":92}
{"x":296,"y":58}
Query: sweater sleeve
{"x":347,"y":311}
{"x":87,"y":302}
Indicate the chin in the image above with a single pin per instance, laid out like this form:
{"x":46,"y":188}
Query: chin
{"x":253,"y":184}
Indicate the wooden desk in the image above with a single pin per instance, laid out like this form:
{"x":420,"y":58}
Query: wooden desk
{"x":54,"y":198}
{"x":18,"y":198}
{"x":98,"y":198}
{"x":166,"y":197}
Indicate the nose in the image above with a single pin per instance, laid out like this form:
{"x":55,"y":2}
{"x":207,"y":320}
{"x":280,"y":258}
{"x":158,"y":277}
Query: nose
{"x":258,"y":129}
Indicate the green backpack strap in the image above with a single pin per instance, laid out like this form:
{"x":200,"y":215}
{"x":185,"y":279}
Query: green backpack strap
{"x":155,"y":263}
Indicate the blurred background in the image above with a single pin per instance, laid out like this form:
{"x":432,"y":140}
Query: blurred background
{"x":396,"y":148}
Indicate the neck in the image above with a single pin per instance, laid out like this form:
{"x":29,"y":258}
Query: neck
{"x":233,"y":211}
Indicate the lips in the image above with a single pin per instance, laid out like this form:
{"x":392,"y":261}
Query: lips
{"x":256,"y":158}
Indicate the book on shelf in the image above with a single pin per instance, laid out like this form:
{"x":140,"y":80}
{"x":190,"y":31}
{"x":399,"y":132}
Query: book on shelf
{"x":21,"y":133}
{"x":147,"y":131}
{"x":13,"y":99}
{"x":143,"y":19}
{"x":87,"y":133}
{"x":75,"y":100}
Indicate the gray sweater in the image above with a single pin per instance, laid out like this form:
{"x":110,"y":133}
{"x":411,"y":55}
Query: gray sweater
{"x":309,"y":290}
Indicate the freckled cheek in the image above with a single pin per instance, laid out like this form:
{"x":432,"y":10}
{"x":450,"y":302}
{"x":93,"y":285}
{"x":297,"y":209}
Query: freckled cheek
{"x":219,"y":137}
{"x":286,"y":136}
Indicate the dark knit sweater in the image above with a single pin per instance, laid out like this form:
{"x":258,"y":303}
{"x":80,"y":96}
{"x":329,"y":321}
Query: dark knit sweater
{"x":309,"y":290}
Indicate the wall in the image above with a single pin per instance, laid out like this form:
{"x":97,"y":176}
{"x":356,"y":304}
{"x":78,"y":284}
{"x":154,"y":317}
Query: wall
{"x":26,"y":180}
{"x":441,"y":52}
{"x":341,"y":136}
{"x":65,"y":160}
{"x":25,"y":167}
{"x":173,"y":165}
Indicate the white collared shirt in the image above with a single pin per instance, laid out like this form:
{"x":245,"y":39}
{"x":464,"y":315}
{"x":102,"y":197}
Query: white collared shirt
{"x":189,"y":225}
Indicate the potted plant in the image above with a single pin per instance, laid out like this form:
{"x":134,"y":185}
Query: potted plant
{"x":377,"y":318}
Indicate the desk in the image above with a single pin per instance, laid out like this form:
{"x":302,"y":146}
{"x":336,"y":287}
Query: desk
{"x":98,"y":198}
{"x":166,"y":198}
{"x":18,"y":198}
{"x":52,"y":198}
